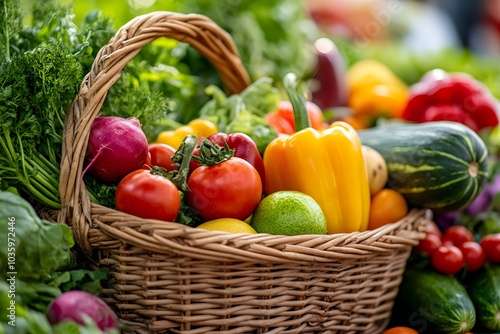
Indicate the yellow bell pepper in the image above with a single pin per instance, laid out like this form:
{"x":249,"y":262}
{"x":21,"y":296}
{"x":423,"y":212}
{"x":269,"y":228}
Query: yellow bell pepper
{"x":327,"y":165}
{"x":374,"y":90}
{"x":198,"y":127}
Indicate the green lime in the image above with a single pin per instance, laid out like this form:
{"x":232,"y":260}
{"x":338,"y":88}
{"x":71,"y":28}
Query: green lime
{"x":289,"y":213}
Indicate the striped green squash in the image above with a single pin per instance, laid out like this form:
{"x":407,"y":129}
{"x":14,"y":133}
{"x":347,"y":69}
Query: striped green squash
{"x":437,"y":303}
{"x":436,"y":165}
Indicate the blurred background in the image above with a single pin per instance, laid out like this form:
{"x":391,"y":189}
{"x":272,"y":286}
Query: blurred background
{"x":418,"y":27}
{"x":420,"y":24}
{"x":277,"y":36}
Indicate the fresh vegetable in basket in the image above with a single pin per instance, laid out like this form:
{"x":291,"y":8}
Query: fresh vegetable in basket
{"x":454,"y":97}
{"x":439,"y":165}
{"x":386,"y":206}
{"x":282,"y":119}
{"x":327,"y":165}
{"x":223,"y":186}
{"x":161,"y":156}
{"x":231,"y":225}
{"x":244,"y":147}
{"x":376,"y":168}
{"x":199,"y":127}
{"x":116,"y":147}
{"x":148,"y":194}
{"x":289,"y":213}
{"x":244,"y":112}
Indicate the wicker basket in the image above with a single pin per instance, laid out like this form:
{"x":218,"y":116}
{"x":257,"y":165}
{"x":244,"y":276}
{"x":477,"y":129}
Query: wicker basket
{"x":169,"y":278}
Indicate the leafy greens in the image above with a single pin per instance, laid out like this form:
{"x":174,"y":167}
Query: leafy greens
{"x":40,"y":256}
{"x":41,"y":68}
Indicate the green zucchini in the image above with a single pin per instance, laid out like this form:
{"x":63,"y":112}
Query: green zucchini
{"x":484,"y":291}
{"x":438,"y":302}
{"x":437,"y":165}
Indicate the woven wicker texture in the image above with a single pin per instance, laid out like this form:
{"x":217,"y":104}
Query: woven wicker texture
{"x":170,"y":278}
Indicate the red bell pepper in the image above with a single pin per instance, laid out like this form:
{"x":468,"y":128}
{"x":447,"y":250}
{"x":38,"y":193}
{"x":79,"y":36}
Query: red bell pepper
{"x":452,"y":97}
{"x":282,"y":120}
{"x":244,"y":148}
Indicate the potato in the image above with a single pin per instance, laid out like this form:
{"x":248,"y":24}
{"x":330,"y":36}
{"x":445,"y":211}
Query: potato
{"x":376,"y":169}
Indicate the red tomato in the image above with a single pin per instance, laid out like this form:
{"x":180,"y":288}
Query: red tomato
{"x":147,"y":164}
{"x":283,"y":120}
{"x":280,"y":124}
{"x":457,"y":235}
{"x":491,"y":247}
{"x":474,"y":256}
{"x":230,"y":189}
{"x":161,"y":155}
{"x":146,"y":195}
{"x":447,"y":259}
{"x":429,"y":244}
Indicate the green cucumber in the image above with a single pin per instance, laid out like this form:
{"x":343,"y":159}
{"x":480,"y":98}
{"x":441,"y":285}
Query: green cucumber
{"x":484,"y":291}
{"x":438,"y":302}
{"x":437,"y":165}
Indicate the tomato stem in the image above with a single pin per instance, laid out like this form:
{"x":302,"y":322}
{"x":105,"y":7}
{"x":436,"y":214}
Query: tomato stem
{"x":181,"y":158}
{"x":155,"y":170}
{"x":212,"y":154}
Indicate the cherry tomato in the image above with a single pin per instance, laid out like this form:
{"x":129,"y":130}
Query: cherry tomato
{"x":491,"y":247}
{"x":447,"y":259}
{"x":429,"y":244}
{"x":474,"y":256}
{"x":400,"y":330}
{"x":457,"y":235}
{"x":230,"y":189}
{"x":149,"y":196}
{"x":161,"y":155}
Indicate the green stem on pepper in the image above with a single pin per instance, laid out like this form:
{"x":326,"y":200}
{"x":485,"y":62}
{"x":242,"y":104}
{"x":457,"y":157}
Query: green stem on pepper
{"x":301,"y":118}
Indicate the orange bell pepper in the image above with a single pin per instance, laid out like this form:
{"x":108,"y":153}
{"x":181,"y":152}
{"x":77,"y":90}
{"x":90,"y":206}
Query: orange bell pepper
{"x":374,"y":90}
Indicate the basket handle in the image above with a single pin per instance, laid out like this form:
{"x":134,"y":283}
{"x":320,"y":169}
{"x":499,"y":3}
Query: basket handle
{"x":215,"y":44}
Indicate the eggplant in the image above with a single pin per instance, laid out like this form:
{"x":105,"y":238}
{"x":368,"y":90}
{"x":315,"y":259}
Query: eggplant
{"x":329,"y":82}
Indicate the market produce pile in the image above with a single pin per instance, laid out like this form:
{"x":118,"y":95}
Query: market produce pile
{"x":277,"y":158}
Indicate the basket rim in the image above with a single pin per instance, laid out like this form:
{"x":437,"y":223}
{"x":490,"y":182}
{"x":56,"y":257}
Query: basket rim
{"x":170,"y":238}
